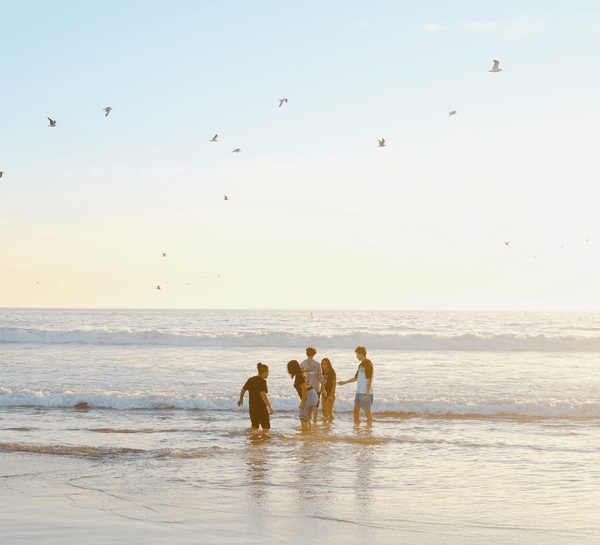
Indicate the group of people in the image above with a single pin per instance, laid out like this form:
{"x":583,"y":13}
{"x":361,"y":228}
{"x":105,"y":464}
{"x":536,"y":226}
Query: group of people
{"x":315,"y":383}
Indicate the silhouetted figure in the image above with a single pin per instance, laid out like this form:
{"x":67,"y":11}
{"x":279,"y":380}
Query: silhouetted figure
{"x":258,"y":402}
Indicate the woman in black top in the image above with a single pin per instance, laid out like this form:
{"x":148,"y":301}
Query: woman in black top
{"x":258,"y":402}
{"x":307,"y":395}
{"x":329,"y":393}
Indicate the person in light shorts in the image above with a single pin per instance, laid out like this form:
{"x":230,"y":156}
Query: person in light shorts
{"x":308,"y":397}
{"x":364,"y":387}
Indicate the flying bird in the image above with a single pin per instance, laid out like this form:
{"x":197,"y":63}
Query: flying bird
{"x":52,"y":123}
{"x":236,"y":150}
{"x":506,"y":243}
{"x":214,"y":138}
{"x":164,"y":255}
{"x":157,"y":287}
{"x":496,"y":69}
{"x":108,"y":109}
{"x":381,"y":142}
{"x":1,"y":173}
{"x":453,"y":112}
{"x":226,"y":197}
{"x":281,"y":101}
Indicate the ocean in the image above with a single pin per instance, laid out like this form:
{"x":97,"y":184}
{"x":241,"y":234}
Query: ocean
{"x":486,"y":424}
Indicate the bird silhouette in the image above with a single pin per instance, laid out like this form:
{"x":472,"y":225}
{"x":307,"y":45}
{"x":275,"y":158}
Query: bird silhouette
{"x":495,"y":68}
{"x":214,"y":138}
{"x":453,"y":112}
{"x":381,"y":142}
{"x":281,"y":101}
{"x":226,"y":198}
{"x":108,"y":109}
{"x":52,"y":123}
{"x":236,"y":150}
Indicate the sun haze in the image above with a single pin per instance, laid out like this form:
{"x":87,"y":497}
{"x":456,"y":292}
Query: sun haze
{"x":316,"y":216}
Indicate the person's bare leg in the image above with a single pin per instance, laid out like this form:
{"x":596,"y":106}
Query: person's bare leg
{"x":316,"y":413}
{"x":356,"y":414}
{"x":369,"y":417}
{"x":330,"y":402}
{"x":305,"y":425}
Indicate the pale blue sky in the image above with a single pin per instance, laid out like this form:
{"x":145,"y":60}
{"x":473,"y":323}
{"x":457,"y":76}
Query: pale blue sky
{"x":97,"y":198}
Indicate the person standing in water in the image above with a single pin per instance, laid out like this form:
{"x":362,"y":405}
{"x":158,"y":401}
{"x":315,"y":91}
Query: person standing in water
{"x":312,"y":371}
{"x":364,"y":387}
{"x":328,"y":393}
{"x":258,"y":402}
{"x":308,"y":396}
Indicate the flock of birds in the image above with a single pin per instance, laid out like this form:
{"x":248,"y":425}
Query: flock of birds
{"x":283,"y":101}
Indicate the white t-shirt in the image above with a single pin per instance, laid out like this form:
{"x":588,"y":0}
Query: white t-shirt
{"x":361,"y":377}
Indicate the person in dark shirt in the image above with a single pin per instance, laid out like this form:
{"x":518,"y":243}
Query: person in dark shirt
{"x":329,"y":378}
{"x":308,"y":397}
{"x":258,"y":402}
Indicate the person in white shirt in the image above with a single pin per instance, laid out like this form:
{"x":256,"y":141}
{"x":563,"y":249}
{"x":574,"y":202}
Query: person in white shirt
{"x":314,"y":375}
{"x":364,"y":386}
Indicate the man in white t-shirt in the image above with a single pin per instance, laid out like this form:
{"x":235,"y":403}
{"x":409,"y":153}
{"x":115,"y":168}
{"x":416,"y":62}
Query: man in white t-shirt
{"x":314,"y":375}
{"x":364,"y":386}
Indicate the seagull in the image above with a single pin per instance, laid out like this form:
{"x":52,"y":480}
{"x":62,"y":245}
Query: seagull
{"x":1,"y":173}
{"x":226,"y":197}
{"x":496,"y":69}
{"x":587,"y":239}
{"x":561,"y":245}
{"x":108,"y":109}
{"x":236,"y":150}
{"x":52,"y":123}
{"x":381,"y":142}
{"x":506,"y":243}
{"x":214,"y":138}
{"x":164,"y":255}
{"x":157,"y":287}
{"x":281,"y":101}
{"x":453,"y":112}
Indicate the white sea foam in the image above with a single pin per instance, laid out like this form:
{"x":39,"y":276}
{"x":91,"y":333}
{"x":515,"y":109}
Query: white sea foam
{"x":491,"y":407}
{"x":504,"y":342}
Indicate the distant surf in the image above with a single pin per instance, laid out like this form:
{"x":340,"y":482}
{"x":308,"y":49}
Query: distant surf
{"x":476,"y":341}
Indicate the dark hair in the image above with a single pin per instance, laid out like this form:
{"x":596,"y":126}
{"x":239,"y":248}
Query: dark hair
{"x":326,"y":360}
{"x":361,"y":350}
{"x":261,"y":367}
{"x":310,"y":351}
{"x":294,"y":368}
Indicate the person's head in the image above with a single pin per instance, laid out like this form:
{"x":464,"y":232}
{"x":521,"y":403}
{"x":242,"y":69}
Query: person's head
{"x":310,"y":352}
{"x":263,"y":370}
{"x":361,"y":353}
{"x":294,"y":368}
{"x":326,"y":365}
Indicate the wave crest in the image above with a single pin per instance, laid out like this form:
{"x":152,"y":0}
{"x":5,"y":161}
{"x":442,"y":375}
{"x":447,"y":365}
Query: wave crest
{"x":485,"y":342}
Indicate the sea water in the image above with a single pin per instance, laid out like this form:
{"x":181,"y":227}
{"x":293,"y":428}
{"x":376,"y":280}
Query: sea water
{"x":486,"y":424}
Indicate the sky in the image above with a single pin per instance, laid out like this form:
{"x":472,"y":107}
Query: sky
{"x":318,"y":215}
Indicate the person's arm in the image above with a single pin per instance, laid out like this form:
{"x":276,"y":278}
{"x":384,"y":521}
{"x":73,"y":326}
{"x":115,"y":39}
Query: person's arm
{"x":266,"y":400}
{"x":332,"y":393}
{"x":342,"y":382}
{"x":368,"y":388}
{"x":241,"y":401}
{"x":304,"y":390}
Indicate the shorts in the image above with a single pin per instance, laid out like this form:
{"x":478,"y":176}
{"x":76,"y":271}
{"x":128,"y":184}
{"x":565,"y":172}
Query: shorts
{"x":359,"y":401}
{"x":260,"y":418}
{"x":306,"y":413}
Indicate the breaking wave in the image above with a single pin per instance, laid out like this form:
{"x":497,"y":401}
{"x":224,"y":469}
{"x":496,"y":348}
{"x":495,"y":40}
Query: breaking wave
{"x":417,"y":407}
{"x":503,"y":342}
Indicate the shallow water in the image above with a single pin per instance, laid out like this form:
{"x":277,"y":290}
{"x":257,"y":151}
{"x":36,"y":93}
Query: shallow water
{"x":482,"y":443}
